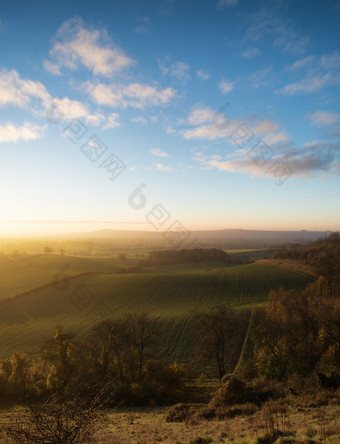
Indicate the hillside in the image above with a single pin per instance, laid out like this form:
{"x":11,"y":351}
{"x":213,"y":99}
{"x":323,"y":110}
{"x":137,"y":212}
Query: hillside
{"x":27,"y":320}
{"x":27,"y":272}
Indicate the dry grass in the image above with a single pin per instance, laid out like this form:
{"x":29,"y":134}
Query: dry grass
{"x":291,"y":264}
{"x":298,"y":425}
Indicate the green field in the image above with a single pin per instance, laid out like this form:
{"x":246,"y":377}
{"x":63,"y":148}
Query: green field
{"x":31,"y":271}
{"x":77,"y":303}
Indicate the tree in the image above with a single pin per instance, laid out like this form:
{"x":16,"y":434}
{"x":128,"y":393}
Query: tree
{"x":61,"y":352}
{"x":60,"y":420}
{"x":216,"y":329}
{"x":62,"y":251}
{"x":20,"y":375}
{"x":144,"y":334}
{"x":120,"y":347}
{"x":122,"y":258}
{"x":48,"y":250}
{"x":287,"y":338}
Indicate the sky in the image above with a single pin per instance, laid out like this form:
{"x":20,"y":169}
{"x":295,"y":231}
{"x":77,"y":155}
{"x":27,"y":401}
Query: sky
{"x":169,"y":115}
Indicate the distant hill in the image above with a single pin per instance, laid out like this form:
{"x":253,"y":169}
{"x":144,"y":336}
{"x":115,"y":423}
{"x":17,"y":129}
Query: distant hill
{"x":226,"y":239}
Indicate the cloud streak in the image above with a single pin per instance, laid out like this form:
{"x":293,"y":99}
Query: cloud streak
{"x":135,"y":95}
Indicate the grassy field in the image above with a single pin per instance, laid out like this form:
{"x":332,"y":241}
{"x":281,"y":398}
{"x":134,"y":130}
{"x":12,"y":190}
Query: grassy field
{"x":30,"y":271}
{"x":253,"y":254}
{"x":77,"y":303}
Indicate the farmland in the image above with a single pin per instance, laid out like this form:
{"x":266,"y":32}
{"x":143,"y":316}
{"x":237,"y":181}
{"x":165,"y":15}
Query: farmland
{"x":171,"y":293}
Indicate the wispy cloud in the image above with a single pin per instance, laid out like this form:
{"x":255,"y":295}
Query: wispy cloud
{"x":176,"y":69}
{"x":251,"y":53}
{"x":306,"y":62}
{"x":142,"y":25}
{"x":139,"y":119}
{"x":158,"y":152}
{"x":323,"y":118}
{"x":267,"y":23}
{"x":203,"y":75}
{"x":200,"y":115}
{"x":170,"y":130}
{"x":222,"y":4}
{"x":15,"y":133}
{"x":310,"y":84}
{"x":135,"y":95}
{"x":319,"y":72}
{"x":312,"y":159}
{"x":256,"y":127}
{"x":75,"y":46}
{"x":20,"y":92}
{"x":260,"y":77}
{"x":112,"y":121}
{"x":225,"y":86}
{"x":162,"y":167}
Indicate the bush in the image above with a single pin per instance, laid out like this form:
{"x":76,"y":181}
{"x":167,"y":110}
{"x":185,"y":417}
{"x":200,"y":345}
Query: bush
{"x":181,"y":412}
{"x":232,"y":391}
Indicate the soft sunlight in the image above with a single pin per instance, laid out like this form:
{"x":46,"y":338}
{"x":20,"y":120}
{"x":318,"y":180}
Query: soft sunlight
{"x":170,"y":221}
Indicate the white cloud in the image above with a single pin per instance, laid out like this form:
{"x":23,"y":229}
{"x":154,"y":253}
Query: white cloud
{"x":203,"y":75}
{"x":25,"y":93}
{"x":250,"y":53}
{"x":225,"y":86}
{"x":320,"y":72}
{"x":135,"y":95}
{"x":310,"y":84}
{"x":161,"y":167}
{"x":158,"y":153}
{"x":175,"y":69}
{"x":205,"y":132}
{"x":71,"y":109}
{"x":170,"y":130}
{"x":75,"y":45}
{"x":112,"y":121}
{"x":14,"y":133}
{"x":52,"y":68}
{"x":139,"y":119}
{"x":252,"y":126}
{"x":199,"y":116}
{"x":226,"y":3}
{"x":20,"y":92}
{"x":323,"y":118}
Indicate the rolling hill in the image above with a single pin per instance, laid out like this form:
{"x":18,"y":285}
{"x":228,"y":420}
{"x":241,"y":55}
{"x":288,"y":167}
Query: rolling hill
{"x":77,"y":303}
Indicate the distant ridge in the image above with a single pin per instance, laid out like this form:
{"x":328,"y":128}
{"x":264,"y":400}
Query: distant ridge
{"x":226,"y":238}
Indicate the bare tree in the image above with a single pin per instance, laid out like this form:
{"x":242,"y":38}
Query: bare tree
{"x":216,"y":330}
{"x":60,"y":420}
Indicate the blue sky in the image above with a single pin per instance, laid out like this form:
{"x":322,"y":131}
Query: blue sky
{"x":225,"y":111}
